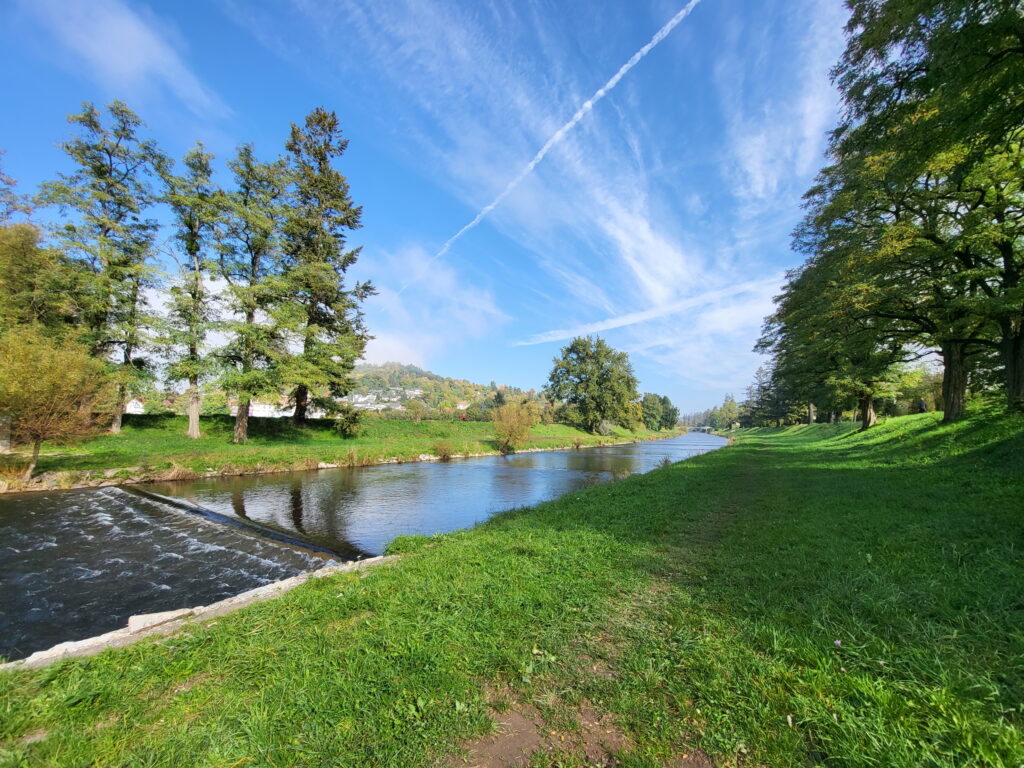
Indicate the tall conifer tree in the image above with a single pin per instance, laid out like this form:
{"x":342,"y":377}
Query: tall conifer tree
{"x":249,"y":260}
{"x":193,"y":199}
{"x":324,"y":312}
{"x":109,"y":193}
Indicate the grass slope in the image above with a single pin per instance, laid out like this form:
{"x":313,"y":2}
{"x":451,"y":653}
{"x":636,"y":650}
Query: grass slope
{"x":808,"y":596}
{"x":154,"y":443}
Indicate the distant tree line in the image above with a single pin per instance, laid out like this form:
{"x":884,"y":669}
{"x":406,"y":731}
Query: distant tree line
{"x":913,"y":231}
{"x":257,"y":300}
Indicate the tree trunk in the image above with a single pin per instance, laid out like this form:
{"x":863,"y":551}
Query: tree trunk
{"x":1011,"y":348}
{"x":954,"y":381}
{"x":193,"y":408}
{"x":27,"y":474}
{"x":866,"y":406}
{"x":115,"y":422}
{"x":5,"y":434}
{"x":301,"y":404}
{"x":241,"y":421}
{"x":812,"y":413}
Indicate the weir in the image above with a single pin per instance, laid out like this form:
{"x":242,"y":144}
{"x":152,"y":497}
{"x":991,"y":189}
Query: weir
{"x":76,"y":564}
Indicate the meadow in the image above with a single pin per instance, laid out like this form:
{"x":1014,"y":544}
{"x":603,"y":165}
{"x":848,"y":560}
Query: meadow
{"x":806,"y":596}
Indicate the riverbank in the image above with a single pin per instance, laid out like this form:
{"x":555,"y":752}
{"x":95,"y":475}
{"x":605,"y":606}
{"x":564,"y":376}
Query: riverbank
{"x":808,"y":595}
{"x":154,"y":449}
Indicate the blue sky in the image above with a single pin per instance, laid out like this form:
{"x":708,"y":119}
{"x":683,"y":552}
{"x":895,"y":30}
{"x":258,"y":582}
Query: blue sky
{"x":660,"y":220}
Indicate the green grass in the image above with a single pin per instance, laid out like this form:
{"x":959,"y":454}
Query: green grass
{"x":809,"y":596}
{"x":155,"y":443}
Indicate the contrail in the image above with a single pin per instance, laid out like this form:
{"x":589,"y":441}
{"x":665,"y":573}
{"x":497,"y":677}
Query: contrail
{"x":560,"y":134}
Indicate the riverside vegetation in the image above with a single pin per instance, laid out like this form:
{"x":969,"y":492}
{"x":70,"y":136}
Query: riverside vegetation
{"x":810,"y":595}
{"x":156,"y":447}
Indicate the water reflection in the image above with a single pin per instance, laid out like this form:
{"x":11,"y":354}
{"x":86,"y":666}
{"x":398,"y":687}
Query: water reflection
{"x":358,"y":511}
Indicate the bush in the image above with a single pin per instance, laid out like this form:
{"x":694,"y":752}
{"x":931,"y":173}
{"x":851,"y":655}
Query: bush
{"x":346,"y":422}
{"x":444,"y":449}
{"x":512,"y":423}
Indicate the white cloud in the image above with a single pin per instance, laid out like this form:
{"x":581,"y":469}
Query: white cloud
{"x":622,"y":216}
{"x":755,"y":288}
{"x":776,"y":126}
{"x":442,"y":311}
{"x":127,"y":53}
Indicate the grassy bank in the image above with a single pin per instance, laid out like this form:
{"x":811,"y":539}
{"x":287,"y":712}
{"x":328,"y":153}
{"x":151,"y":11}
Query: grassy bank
{"x":807,"y":596}
{"x":156,"y":447}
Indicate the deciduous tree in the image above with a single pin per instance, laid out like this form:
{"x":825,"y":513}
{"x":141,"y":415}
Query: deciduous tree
{"x":50,"y":390}
{"x":512,"y":423}
{"x":595,"y":381}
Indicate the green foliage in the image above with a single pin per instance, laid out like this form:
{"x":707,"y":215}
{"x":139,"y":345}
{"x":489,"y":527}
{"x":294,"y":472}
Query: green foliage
{"x":322,"y":312}
{"x":653,"y":410}
{"x":512,"y":425}
{"x":444,"y":449}
{"x":249,"y":261}
{"x":347,"y":421}
{"x":415,"y":410}
{"x":49,"y":390}
{"x":669,"y":414}
{"x":913,"y":230}
{"x":11,"y":202}
{"x":109,"y":195}
{"x":595,"y":381}
{"x":38,"y":285}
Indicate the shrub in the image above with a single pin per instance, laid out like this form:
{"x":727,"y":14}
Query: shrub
{"x":512,"y":423}
{"x":444,"y":449}
{"x":346,"y":422}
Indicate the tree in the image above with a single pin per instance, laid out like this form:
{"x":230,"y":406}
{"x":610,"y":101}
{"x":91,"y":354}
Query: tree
{"x":68,"y":387}
{"x":326,"y":315}
{"x":653,"y":411}
{"x":729,"y":412}
{"x":669,"y":414}
{"x":193,"y":200}
{"x":38,"y":286}
{"x":920,"y":77}
{"x":416,"y":410}
{"x":932,"y":94}
{"x":819,"y":347}
{"x":109,"y":193}
{"x":249,"y":261}
{"x":595,"y":381}
{"x":512,"y":423}
{"x":10,"y":201}
{"x":934,"y":260}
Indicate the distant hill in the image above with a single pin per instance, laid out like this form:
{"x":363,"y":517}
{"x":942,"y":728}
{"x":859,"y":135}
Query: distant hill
{"x":397,"y":382}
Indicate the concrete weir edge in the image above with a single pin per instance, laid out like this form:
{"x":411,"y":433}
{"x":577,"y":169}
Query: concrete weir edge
{"x":168,"y":622}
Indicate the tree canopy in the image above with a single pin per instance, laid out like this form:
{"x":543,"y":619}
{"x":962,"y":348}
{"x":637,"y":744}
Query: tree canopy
{"x":596,"y":382}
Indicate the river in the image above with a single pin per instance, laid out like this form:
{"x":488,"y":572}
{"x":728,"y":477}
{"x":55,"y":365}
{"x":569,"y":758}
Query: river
{"x":78,"y":563}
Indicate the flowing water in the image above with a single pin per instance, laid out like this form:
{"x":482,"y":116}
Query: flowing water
{"x":77,"y":563}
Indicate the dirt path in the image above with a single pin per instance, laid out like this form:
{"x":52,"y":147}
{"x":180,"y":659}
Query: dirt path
{"x":522,"y":736}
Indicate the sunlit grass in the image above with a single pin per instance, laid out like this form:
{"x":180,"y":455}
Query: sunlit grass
{"x":150,"y":443}
{"x":807,"y":597}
